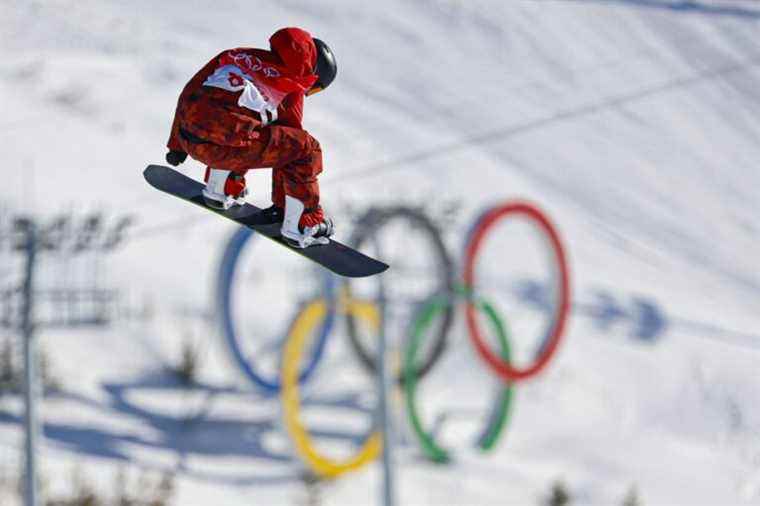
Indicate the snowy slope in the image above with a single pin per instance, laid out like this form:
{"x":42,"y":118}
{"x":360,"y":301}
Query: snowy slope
{"x":634,"y":123}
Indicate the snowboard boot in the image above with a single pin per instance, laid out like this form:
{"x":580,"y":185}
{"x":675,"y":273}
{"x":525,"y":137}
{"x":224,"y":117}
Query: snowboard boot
{"x":270,"y":215}
{"x":305,"y":227}
{"x":224,"y":189}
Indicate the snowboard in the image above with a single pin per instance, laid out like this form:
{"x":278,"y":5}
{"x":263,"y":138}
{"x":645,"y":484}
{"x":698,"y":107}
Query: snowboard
{"x":336,"y":257}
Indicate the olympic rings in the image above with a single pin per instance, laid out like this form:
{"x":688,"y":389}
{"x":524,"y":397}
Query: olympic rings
{"x":501,"y":407}
{"x":225,"y":310}
{"x":291,"y":358}
{"x":368,"y":225}
{"x":556,"y":327}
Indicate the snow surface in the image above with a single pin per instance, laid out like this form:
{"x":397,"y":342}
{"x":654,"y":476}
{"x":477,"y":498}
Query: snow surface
{"x":634,"y":123}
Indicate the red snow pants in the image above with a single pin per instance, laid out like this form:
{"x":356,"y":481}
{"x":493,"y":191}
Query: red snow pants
{"x":294,"y":155}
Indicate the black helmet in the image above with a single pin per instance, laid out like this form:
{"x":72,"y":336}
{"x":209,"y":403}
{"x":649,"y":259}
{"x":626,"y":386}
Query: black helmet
{"x":326,"y":68}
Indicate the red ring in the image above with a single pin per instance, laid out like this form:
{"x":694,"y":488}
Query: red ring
{"x":505,"y":370}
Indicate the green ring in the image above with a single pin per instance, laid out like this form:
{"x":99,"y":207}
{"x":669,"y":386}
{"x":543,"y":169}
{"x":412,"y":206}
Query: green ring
{"x":499,"y":416}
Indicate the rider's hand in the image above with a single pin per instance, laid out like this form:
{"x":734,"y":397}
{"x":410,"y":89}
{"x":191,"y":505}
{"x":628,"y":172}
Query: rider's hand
{"x":174,"y":158}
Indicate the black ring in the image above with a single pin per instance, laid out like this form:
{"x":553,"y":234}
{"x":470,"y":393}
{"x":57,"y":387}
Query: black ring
{"x":367,"y":227}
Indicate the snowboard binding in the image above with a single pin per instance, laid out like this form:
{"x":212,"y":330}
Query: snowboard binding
{"x":300,"y":236}
{"x":224,"y":189}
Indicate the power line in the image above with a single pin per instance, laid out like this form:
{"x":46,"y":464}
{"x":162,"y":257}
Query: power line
{"x":169,"y":226}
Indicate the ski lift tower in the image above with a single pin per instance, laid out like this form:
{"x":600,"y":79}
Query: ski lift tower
{"x":32,"y":239}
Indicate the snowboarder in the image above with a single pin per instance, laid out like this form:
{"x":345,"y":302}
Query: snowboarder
{"x":243,"y":110}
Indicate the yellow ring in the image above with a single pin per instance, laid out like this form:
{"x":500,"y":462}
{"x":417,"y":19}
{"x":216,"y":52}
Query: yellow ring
{"x":309,"y":318}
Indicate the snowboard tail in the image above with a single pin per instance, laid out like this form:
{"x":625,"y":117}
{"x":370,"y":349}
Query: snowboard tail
{"x":336,"y":257}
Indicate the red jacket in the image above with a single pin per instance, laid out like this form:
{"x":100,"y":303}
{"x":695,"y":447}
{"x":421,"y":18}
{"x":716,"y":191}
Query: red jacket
{"x":225,"y":101}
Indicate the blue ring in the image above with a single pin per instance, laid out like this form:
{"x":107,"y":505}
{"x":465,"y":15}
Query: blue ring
{"x":224,"y":306}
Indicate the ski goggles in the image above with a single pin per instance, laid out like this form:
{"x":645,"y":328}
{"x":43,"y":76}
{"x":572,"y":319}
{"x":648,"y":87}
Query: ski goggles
{"x":314,"y":90}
